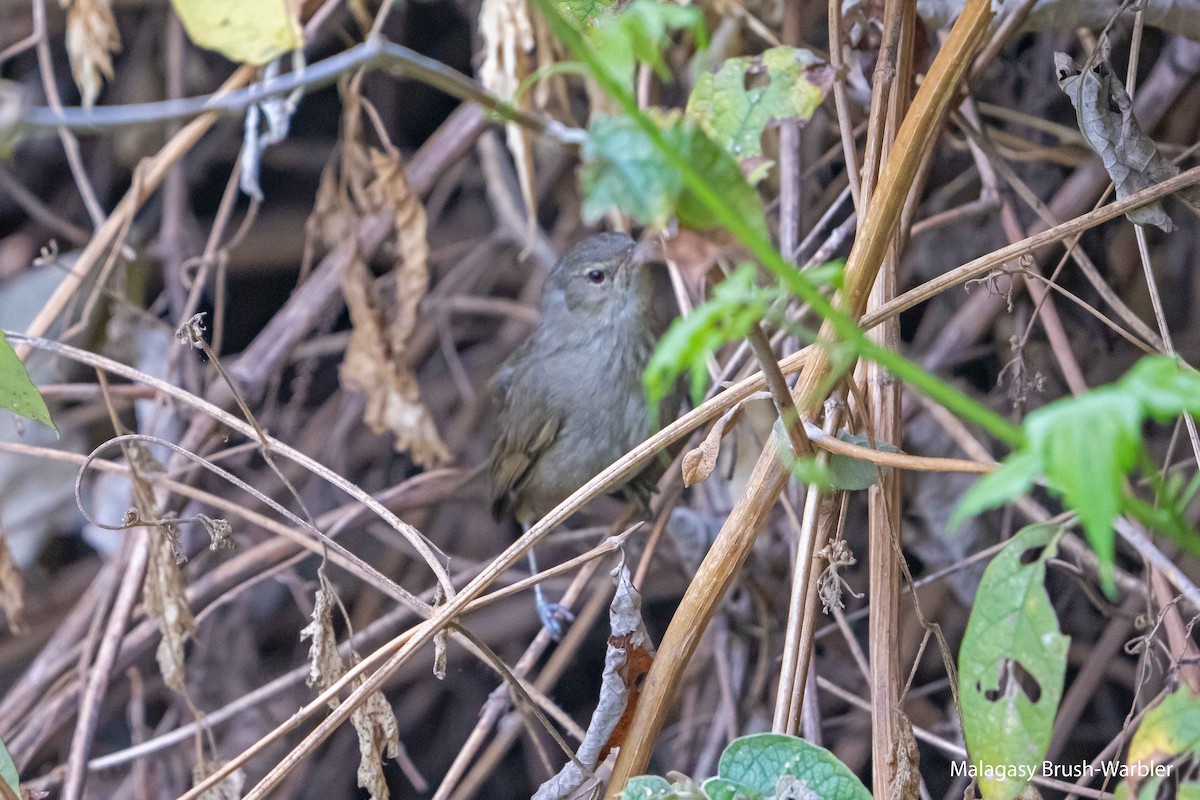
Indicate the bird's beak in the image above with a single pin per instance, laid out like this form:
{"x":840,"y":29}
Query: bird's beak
{"x":643,"y":253}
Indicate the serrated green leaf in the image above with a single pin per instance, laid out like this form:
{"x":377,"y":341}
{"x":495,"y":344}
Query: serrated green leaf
{"x":1165,"y":386}
{"x":638,"y":35}
{"x":17,"y":392}
{"x":1086,"y":445}
{"x":1008,"y":481}
{"x":1012,"y":665}
{"x":792,"y":83}
{"x":585,"y":13}
{"x":8,"y":770}
{"x":622,"y":169}
{"x":758,"y":763}
{"x":737,"y":303}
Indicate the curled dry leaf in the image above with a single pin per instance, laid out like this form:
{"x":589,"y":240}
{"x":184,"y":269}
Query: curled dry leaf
{"x":166,"y":600}
{"x":628,"y":658}
{"x":92,"y":38}
{"x":906,"y":762}
{"x":1105,"y":115}
{"x":376,"y":359}
{"x":508,"y":44}
{"x":374,"y":721}
{"x":228,"y":789}
{"x":325,"y":663}
{"x":700,"y":461}
{"x":12,"y":590}
{"x":378,"y":732}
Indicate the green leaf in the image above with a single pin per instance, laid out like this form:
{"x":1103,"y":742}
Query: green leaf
{"x":1169,"y":730}
{"x":853,"y":474}
{"x":1164,"y":386}
{"x":737,"y":303}
{"x":1008,"y":481}
{"x":8,"y":770}
{"x":721,"y":789}
{"x":17,"y":392}
{"x":1011,"y":665}
{"x":652,"y":787}
{"x":585,"y":13}
{"x":1086,"y":445}
{"x":791,"y":83}
{"x":251,"y":31}
{"x":638,"y":35}
{"x":763,"y":763}
{"x":623,"y":169}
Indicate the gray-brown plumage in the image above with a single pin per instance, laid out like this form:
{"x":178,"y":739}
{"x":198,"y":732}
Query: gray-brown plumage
{"x":572,"y":400}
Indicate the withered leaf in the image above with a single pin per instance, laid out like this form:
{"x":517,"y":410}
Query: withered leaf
{"x":629,"y":656}
{"x":92,"y":38}
{"x":1105,"y":115}
{"x":12,"y":590}
{"x":166,"y":600}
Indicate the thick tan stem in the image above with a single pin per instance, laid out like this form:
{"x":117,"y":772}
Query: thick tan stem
{"x":752,"y":509}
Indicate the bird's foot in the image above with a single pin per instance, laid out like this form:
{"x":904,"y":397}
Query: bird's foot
{"x":555,"y":618}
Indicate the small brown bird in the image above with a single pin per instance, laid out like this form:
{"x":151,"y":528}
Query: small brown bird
{"x":572,"y":400}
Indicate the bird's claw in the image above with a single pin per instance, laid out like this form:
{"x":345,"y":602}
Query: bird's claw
{"x":555,"y":618}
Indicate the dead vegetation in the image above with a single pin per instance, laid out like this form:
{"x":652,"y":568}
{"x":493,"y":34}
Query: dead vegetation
{"x":273,"y":409}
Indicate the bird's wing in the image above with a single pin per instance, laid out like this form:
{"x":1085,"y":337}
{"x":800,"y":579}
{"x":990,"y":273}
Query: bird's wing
{"x":513,"y":458}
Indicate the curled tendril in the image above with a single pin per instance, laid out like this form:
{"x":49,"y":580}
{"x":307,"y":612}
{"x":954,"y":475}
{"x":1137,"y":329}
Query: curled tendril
{"x":191,"y":333}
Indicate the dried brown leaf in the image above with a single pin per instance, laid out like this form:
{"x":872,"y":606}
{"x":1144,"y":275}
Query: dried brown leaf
{"x":166,"y":600}
{"x":700,"y":461}
{"x":12,"y":590}
{"x":228,"y":789}
{"x":325,"y":665}
{"x":1104,"y":111}
{"x":378,"y":732}
{"x":627,"y":659}
{"x":376,"y":359}
{"x":508,"y":44}
{"x":92,"y":38}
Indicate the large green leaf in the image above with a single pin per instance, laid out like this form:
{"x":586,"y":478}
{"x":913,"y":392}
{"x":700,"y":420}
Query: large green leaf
{"x":785,"y":83}
{"x":624,"y":170}
{"x":737,"y":303}
{"x":1086,"y":446}
{"x":17,"y":392}
{"x":771,"y":764}
{"x":1011,"y":666}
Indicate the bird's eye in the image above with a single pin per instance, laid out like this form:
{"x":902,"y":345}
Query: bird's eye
{"x":596,"y":276}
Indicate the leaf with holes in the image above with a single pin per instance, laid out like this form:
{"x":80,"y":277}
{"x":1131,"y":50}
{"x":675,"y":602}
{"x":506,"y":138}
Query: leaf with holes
{"x":1011,"y":665}
{"x":17,"y":392}
{"x":766,"y":765}
{"x":747,"y":95}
